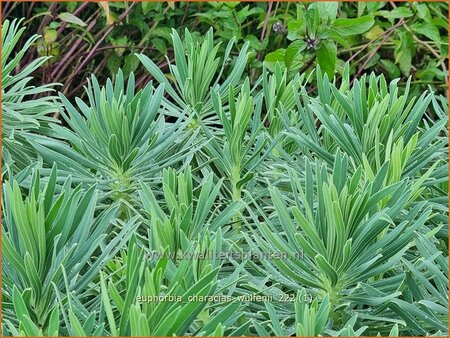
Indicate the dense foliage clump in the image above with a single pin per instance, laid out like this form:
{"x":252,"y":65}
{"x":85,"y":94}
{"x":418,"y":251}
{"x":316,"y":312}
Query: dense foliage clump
{"x":213,"y":201}
{"x":398,"y":39}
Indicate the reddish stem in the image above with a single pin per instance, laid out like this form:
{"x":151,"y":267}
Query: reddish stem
{"x":99,"y":42}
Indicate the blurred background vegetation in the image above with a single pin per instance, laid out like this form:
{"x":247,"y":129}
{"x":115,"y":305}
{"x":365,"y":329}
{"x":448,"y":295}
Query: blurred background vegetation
{"x":397,"y":39}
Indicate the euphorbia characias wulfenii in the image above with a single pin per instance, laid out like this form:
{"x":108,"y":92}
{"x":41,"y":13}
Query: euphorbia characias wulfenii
{"x":208,"y":202}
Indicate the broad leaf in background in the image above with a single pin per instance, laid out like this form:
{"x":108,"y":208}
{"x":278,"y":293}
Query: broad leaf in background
{"x":314,"y":35}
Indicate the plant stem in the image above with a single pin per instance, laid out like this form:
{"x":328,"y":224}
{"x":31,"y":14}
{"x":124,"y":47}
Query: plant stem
{"x":99,"y":42}
{"x":426,"y":45}
{"x":236,"y":192}
{"x":371,"y":55}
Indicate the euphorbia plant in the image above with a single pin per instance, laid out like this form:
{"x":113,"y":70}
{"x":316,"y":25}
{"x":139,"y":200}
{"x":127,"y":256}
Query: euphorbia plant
{"x":335,"y":219}
{"x":21,"y":112}
{"x":118,"y":139}
{"x":50,"y":237}
{"x":346,"y":191}
{"x":188,"y":210}
{"x":240,"y":153}
{"x":374,"y":123}
{"x":126,"y":297}
{"x":196,"y":71}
